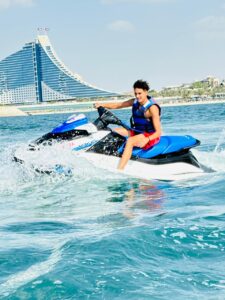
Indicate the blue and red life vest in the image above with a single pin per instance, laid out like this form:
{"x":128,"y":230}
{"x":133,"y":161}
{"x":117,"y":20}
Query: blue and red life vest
{"x":138,"y":119}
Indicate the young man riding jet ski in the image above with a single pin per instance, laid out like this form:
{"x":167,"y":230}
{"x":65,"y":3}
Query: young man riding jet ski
{"x":145,"y":121}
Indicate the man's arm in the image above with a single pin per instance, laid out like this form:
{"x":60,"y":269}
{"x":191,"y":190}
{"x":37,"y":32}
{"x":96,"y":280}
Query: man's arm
{"x":154,"y":112}
{"x":115,"y":105}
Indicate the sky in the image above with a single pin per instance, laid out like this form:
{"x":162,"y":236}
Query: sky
{"x":112,"y":43}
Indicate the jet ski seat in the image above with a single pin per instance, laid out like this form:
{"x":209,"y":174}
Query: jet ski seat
{"x":166,"y":145}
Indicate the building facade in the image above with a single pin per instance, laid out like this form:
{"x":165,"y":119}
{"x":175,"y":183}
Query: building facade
{"x":35,"y":74}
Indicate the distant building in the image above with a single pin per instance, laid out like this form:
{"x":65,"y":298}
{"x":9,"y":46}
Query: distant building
{"x":172,"y":87}
{"x":211,"y":81}
{"x":219,"y":95}
{"x":35,"y":74}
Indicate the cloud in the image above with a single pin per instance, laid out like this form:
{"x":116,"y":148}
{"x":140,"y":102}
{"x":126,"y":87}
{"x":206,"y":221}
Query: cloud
{"x":211,"y":27}
{"x":121,"y":25}
{"x":8,"y":3}
{"x":136,"y":1}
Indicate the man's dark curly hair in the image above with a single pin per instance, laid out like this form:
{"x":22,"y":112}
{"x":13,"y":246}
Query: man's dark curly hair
{"x":141,"y":84}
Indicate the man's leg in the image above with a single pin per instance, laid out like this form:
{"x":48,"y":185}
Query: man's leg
{"x":122,"y":131}
{"x":135,"y":141}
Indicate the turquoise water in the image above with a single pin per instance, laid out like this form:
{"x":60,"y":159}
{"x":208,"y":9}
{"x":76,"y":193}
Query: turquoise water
{"x":96,"y":235}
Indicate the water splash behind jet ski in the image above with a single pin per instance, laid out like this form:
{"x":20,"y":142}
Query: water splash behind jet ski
{"x":170,"y":159}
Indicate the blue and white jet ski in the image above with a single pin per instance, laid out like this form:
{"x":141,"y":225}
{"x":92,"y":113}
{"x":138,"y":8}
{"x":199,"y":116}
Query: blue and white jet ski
{"x":170,"y":159}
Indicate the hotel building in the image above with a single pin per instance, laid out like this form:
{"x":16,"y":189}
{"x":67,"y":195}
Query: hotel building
{"x":35,"y":74}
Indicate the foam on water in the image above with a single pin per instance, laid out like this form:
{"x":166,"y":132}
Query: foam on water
{"x":23,"y":277}
{"x":220,"y":146}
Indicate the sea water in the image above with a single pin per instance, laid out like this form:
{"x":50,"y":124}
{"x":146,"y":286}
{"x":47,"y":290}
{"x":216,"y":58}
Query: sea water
{"x":98,"y":235}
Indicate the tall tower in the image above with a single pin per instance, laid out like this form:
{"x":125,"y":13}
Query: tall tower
{"x":35,"y":74}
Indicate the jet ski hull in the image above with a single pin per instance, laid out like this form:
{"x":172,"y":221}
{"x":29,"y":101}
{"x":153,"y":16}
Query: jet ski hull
{"x":170,"y":171}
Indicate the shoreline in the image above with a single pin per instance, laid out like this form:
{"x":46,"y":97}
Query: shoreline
{"x":75,"y":107}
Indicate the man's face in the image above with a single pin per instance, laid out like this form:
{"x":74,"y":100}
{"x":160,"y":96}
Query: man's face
{"x":141,"y":95}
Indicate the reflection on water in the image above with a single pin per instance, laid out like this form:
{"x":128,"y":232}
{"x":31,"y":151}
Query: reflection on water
{"x":146,"y":196}
{"x":137,"y":196}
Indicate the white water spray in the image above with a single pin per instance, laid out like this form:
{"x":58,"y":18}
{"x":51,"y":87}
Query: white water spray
{"x":219,"y":146}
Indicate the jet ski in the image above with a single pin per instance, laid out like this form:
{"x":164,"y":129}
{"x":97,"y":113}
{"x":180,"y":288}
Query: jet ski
{"x":170,"y":159}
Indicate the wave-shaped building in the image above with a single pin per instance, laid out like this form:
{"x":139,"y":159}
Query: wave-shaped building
{"x":35,"y":74}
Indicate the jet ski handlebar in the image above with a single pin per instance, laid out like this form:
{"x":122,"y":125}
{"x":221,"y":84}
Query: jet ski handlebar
{"x":106,"y":117}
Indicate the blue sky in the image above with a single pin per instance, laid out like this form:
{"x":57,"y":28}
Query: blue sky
{"x":111,"y":43}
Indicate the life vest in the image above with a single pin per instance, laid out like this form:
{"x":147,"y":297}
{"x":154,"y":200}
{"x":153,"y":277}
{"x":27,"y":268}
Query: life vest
{"x":138,"y":119}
